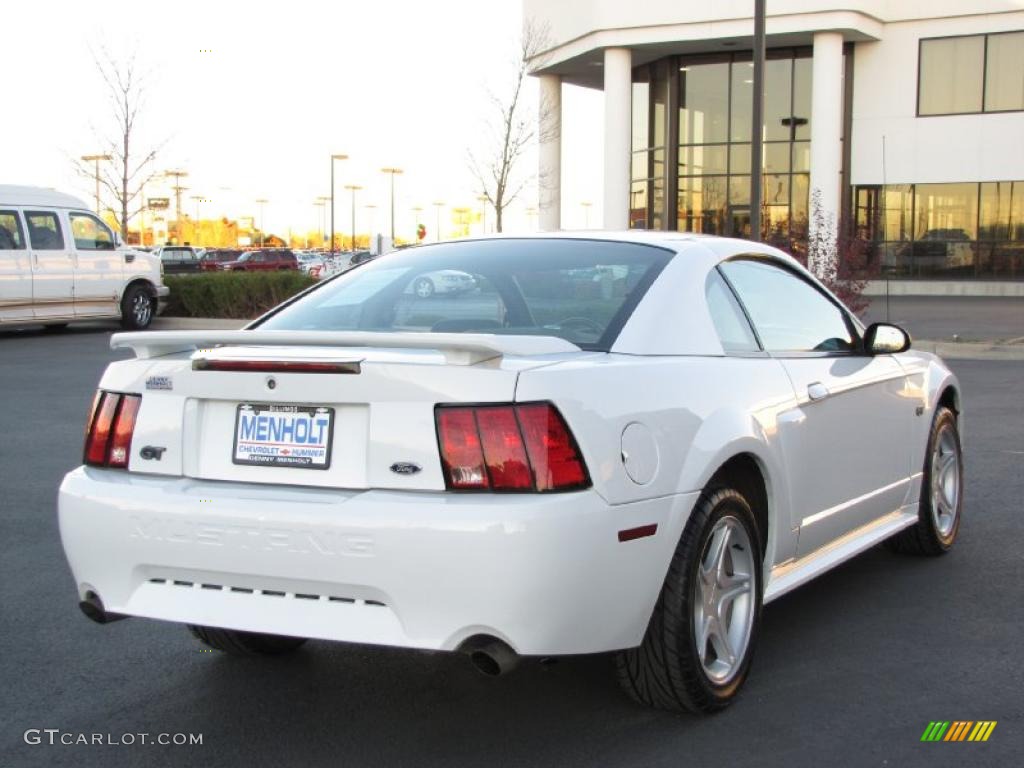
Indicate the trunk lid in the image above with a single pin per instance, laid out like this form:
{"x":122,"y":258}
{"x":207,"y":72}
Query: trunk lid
{"x":379,"y":405}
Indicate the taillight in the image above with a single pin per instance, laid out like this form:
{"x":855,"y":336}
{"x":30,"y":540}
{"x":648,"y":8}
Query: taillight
{"x":522,"y":447}
{"x":108,"y":436}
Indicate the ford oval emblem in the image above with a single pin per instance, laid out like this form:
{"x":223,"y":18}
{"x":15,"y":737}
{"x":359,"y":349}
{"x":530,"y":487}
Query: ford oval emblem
{"x":405,"y":468}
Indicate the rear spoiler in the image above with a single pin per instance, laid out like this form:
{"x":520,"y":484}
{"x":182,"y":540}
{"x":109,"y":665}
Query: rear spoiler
{"x":457,"y":348}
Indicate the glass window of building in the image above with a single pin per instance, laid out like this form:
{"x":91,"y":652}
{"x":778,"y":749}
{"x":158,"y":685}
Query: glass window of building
{"x":953,"y":231}
{"x":951,"y":75}
{"x":972,"y":73}
{"x":1004,"y":72}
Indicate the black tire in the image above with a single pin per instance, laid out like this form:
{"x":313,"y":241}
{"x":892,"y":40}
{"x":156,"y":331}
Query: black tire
{"x":666,"y":671}
{"x":137,"y":308}
{"x":926,"y":537}
{"x":240,"y":643}
{"x":424,"y":288}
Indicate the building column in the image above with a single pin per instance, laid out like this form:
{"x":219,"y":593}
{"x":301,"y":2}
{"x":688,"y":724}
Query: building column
{"x":549,"y":177}
{"x":826,"y":148}
{"x":618,"y":89}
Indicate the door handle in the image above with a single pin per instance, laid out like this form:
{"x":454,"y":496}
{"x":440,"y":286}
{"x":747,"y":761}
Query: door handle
{"x":817,"y":391}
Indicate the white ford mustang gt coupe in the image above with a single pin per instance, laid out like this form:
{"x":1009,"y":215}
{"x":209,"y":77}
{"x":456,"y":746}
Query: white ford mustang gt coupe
{"x":552,"y":465}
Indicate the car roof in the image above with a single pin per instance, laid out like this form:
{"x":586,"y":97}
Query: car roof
{"x":15,"y":194}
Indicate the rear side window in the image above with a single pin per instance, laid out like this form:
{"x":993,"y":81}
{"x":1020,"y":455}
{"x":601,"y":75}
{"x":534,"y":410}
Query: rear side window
{"x":580,"y":290}
{"x":11,"y":236}
{"x":733,"y":329}
{"x":90,"y":233}
{"x":790,"y":314}
{"x":177,"y":254}
{"x":44,"y":231}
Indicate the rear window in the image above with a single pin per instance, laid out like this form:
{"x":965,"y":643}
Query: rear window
{"x":580,"y":290}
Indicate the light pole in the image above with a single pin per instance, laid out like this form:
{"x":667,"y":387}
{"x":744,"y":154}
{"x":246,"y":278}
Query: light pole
{"x":319,"y":203}
{"x":178,"y":189}
{"x":391,"y":172}
{"x":416,"y":210}
{"x":757,"y":118}
{"x":195,"y":222}
{"x":333,"y":158}
{"x":96,"y":159}
{"x":322,"y":201}
{"x":261,"y":202}
{"x":353,"y":188}
{"x":483,"y":211}
{"x":371,"y":210}
{"x":437,"y":220}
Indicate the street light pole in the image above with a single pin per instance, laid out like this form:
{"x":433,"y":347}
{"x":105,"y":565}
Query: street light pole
{"x":417,"y":210}
{"x":437,"y":232}
{"x":96,"y":159}
{"x":261,"y":202}
{"x":178,"y":189}
{"x":757,"y":118}
{"x":392,"y":172}
{"x":333,"y":158}
{"x":353,"y":188}
{"x":323,"y":200}
{"x":483,"y":212}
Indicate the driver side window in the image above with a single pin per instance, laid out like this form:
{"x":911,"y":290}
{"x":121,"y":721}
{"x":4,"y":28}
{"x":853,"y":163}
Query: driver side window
{"x":90,"y":233}
{"x":789,"y":314}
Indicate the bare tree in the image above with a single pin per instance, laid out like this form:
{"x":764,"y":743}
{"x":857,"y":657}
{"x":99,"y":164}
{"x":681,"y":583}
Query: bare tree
{"x":510,"y":130}
{"x":123,"y":177}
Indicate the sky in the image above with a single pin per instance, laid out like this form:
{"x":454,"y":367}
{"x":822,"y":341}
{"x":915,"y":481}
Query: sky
{"x":251,"y":99}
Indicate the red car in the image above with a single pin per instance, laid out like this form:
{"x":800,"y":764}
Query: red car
{"x":265,"y":259}
{"x":214,"y":258}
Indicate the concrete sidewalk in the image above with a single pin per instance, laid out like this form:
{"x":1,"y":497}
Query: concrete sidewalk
{"x":992,"y":349}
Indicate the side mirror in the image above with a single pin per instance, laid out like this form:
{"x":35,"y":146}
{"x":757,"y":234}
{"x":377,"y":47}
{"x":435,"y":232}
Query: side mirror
{"x":885,"y":339}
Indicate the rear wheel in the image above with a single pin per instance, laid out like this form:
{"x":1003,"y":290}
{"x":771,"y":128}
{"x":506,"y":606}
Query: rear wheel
{"x":700,"y":640}
{"x":424,"y":287}
{"x":136,"y":308}
{"x":240,"y":643}
{"x":938,"y":516}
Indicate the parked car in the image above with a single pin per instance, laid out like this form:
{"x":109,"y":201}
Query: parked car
{"x":310,"y":261}
{"x":60,"y":263}
{"x":214,"y":257}
{"x":548,"y":472}
{"x":442,"y":281}
{"x":263,"y":259}
{"x":181,"y":259}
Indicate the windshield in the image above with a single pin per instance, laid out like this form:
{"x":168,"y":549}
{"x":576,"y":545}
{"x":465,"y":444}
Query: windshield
{"x":580,"y":290}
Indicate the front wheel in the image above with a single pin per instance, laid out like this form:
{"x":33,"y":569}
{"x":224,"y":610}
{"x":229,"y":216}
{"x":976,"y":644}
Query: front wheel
{"x":240,"y":643}
{"x":942,"y":483}
{"x":136,"y":308}
{"x":700,"y":640}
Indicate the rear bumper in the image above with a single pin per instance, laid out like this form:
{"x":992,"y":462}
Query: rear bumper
{"x":162,"y":292}
{"x":545,"y":573}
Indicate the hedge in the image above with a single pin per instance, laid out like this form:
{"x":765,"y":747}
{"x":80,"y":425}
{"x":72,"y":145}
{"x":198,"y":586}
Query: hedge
{"x":242,"y":295}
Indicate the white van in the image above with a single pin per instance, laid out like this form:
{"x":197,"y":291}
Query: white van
{"x":60,"y":263}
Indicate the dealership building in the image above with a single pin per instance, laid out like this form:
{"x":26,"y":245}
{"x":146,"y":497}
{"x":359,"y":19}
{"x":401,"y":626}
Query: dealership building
{"x":901,"y":121}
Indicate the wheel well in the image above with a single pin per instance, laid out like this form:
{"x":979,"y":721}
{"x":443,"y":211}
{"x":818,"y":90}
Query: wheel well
{"x":743,"y":474}
{"x":150,"y":288}
{"x":950,"y":398}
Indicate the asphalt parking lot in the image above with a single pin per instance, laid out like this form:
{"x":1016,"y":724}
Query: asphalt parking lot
{"x":849,"y":671}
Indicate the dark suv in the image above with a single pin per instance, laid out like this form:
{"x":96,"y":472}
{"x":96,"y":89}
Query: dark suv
{"x":179,"y":259}
{"x":264,"y":259}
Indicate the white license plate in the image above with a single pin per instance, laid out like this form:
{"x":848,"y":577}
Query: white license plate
{"x":297,"y":436}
